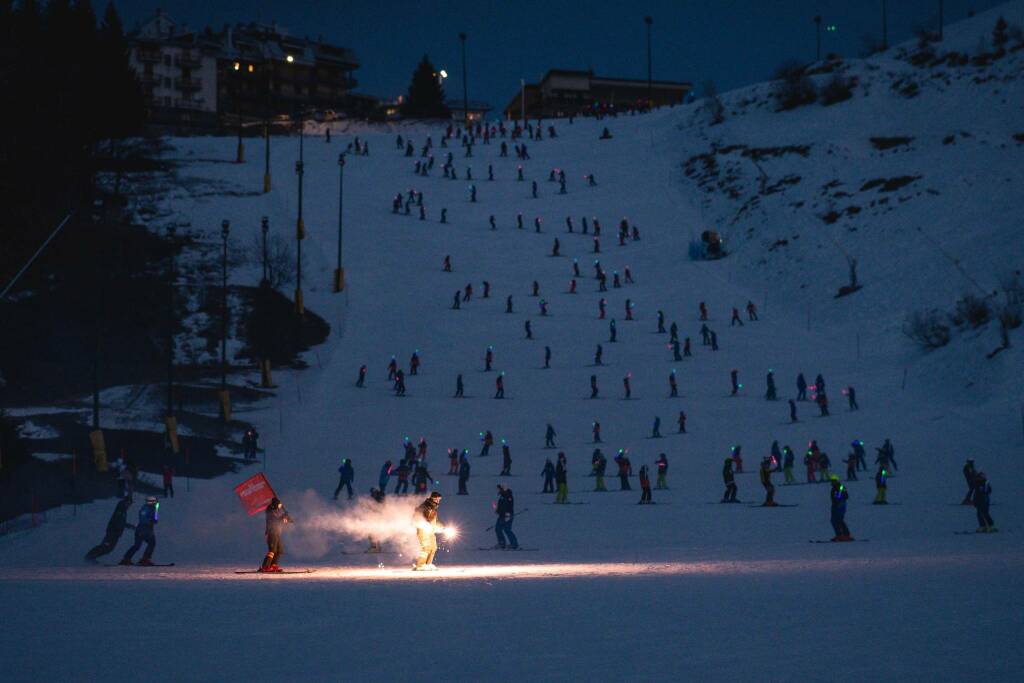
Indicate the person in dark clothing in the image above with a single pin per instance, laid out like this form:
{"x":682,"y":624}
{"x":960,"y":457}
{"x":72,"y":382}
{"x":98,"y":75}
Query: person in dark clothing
{"x":595,"y":429}
{"x":528,"y":329}
{"x":661,"y":322}
{"x":787,"y":465}
{"x":881,"y":485}
{"x":598,"y":355}
{"x":729,"y":478}
{"x":488,"y":359}
{"x":822,"y":400}
{"x":362,"y":377}
{"x":115,"y":528}
{"x":766,"y":482}
{"x":656,"y":429}
{"x":488,"y":440}
{"x":400,"y":383}
{"x":851,"y":397}
{"x":346,"y":475}
{"x":506,"y":460}
{"x":421,"y":477}
{"x":662,"y":465}
{"x":149,"y":515}
{"x":770,"y":393}
{"x":682,"y":422}
{"x":463,"y":474}
{"x":599,"y":464}
{"x":851,"y":467}
{"x":890,"y":454}
{"x":673,"y":385}
{"x":838,"y":495}
{"x":549,"y":436}
{"x":982,"y":496}
{"x":402,"y":474}
{"x":625,"y":469}
{"x":276,"y":517}
{"x":547,"y":357}
{"x":858,"y":451}
{"x":508,"y":304}
{"x":819,"y":384}
{"x":562,"y":479}
{"x":593,"y":386}
{"x":645,"y":486}
{"x":168,"y":477}
{"x":627,"y":389}
{"x":251,"y":443}
{"x":734,"y":378}
{"x":801,"y":387}
{"x":499,"y":386}
{"x":459,"y":388}
{"x":971,"y":476}
{"x":505,"y":509}
{"x":549,"y":476}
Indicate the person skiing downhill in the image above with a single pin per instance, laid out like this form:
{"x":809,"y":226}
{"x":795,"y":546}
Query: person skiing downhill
{"x":427,"y":525}
{"x":838,"y":496}
{"x":276,"y":518}
{"x":729,"y":478}
{"x":662,"y":464}
{"x":766,"y":482}
{"x":549,"y":476}
{"x":562,"y":479}
{"x":505,"y":509}
{"x":115,"y":529}
{"x":982,"y":500}
{"x":346,"y":475}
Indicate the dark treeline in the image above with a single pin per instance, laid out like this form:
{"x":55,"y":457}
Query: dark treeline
{"x":69,"y":94}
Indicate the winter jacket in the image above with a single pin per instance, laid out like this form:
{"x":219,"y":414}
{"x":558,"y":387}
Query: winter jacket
{"x":276,"y":519}
{"x":839,"y":496}
{"x":561,"y":473}
{"x":727,"y":474}
{"x":982,"y":493}
{"x":506,"y":504}
{"x":347,"y":472}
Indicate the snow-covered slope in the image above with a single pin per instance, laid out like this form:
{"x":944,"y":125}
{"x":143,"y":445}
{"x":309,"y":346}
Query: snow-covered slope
{"x":687,"y":588}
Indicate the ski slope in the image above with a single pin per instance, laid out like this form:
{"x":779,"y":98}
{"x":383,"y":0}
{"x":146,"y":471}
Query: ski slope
{"x":684,"y":589}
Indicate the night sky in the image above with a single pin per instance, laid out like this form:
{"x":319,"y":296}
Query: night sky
{"x":730,"y":42}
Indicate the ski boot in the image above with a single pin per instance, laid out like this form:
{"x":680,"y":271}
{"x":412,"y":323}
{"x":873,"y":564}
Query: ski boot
{"x":275,"y":569}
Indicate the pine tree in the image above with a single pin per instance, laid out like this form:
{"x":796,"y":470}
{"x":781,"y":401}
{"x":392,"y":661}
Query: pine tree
{"x":426,"y":96}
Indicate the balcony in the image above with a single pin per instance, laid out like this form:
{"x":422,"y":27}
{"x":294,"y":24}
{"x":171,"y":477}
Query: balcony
{"x":190,"y":60}
{"x":188,"y":84}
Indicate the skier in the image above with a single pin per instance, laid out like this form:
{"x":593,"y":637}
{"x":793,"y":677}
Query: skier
{"x":645,"y":486}
{"x":735,"y":317}
{"x":427,"y":525}
{"x":714,"y":340}
{"x":625,"y":470}
{"x":675,"y":351}
{"x":737,"y":457}
{"x":681,"y":421}
{"x":488,"y":358}
{"x":673,"y":387}
{"x":600,"y":465}
{"x":543,"y":308}
{"x":730,"y":482}
{"x":556,"y":248}
{"x":276,"y":517}
{"x":562,"y":479}
{"x":115,"y":528}
{"x":459,"y":388}
{"x":824,"y":466}
{"x":770,"y":392}
{"x":787,"y":464}
{"x":751,"y":311}
{"x":661,"y":322}
{"x":549,"y":436}
{"x":686,"y":348}
{"x":703,"y":311}
{"x":598,"y":353}
{"x":463,"y":474}
{"x":468,"y":292}
{"x":487,"y":290}
{"x":488,"y":440}
{"x":705,"y":335}
{"x":593,"y":386}
{"x":400,"y":383}
{"x":447,"y":265}
{"x":890,"y":454}
{"x":548,"y":472}
{"x":414,"y":361}
{"x":656,"y":430}
{"x":982,"y":496}
{"x":625,"y":385}
{"x":766,"y":482}
{"x":392,"y":369}
{"x":858,"y":450}
{"x":838,"y":495}
{"x":528,"y":329}
{"x":792,"y":410}
{"x":851,"y":467}
{"x":457,"y":300}
{"x":505,"y":509}
{"x":506,"y":460}
{"x":596,"y":431}
{"x":819,"y":384}
{"x":547,"y":357}
{"x":881,"y":484}
{"x":629,"y":309}
{"x":811,"y":462}
{"x":734,"y":377}
{"x":508,"y":304}
{"x":402,"y":485}
{"x":359,"y":382}
{"x":346,"y":476}
{"x":499,"y":385}
{"x":601,"y":308}
{"x":149,"y":516}
{"x":851,"y":398}
{"x":822,"y":400}
{"x":613,"y":331}
{"x":969,"y":474}
{"x":662,"y":465}
{"x":801,"y":387}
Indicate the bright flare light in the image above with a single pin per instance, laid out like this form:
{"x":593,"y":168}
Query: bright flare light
{"x":450,"y":532}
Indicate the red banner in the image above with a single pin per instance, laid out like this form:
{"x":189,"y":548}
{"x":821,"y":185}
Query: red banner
{"x":255,"y":493}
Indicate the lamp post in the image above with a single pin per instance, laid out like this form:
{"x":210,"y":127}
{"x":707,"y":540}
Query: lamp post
{"x":266,"y":128}
{"x":225,"y":404}
{"x":240,"y":154}
{"x":817,"y":35}
{"x":650,"y":97}
{"x":339,"y":272}
{"x":465,"y":83}
{"x":97,"y":217}
{"x":300,"y":227}
{"x":264,"y":229}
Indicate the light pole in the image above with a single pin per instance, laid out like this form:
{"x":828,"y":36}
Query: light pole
{"x":465,"y":83}
{"x":240,"y":154}
{"x":264,"y":229}
{"x":817,"y":35}
{"x":650,"y":97}
{"x":266,"y":129}
{"x":98,"y":292}
{"x":300,"y":227}
{"x":225,"y":406}
{"x":339,"y":272}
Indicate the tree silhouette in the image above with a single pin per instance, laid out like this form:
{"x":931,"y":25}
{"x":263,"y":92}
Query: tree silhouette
{"x":426,"y":96}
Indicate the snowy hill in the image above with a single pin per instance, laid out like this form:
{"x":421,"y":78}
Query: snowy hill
{"x":684,"y":589}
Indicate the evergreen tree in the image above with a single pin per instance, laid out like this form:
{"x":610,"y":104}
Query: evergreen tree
{"x":426,"y":96}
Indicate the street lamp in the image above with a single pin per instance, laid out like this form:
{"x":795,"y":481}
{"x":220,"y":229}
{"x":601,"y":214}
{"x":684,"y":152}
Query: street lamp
{"x":240,"y":154}
{"x":266,"y":127}
{"x":339,"y":272}
{"x":650,"y":99}
{"x":465,"y":84}
{"x":225,"y":405}
{"x":170,"y":421}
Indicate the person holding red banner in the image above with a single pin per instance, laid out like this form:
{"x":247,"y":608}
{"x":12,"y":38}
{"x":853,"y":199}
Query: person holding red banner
{"x":277,"y":517}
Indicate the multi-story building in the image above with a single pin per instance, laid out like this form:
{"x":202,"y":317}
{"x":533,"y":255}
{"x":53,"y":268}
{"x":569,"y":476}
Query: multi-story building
{"x":573,"y":93}
{"x":248,"y":70}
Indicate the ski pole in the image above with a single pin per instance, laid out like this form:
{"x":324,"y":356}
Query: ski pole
{"x":514,"y":516}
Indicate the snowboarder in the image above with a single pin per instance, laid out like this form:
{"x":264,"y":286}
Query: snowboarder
{"x":662,"y":465}
{"x":645,"y":486}
{"x":359,"y":382}
{"x":506,"y":460}
{"x":801,"y":387}
{"x":982,"y":496}
{"x":881,"y":484}
{"x":346,"y":475}
{"x":459,"y":388}
{"x":463,"y":474}
{"x":505,"y":509}
{"x":115,"y":528}
{"x":838,"y":495}
{"x":730,"y":482}
{"x":427,"y":525}
{"x":549,"y":436}
{"x":276,"y":517}
{"x":969,"y":474}
{"x":548,"y":472}
{"x":562,"y":479}
{"x":766,"y":482}
{"x":149,"y":516}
